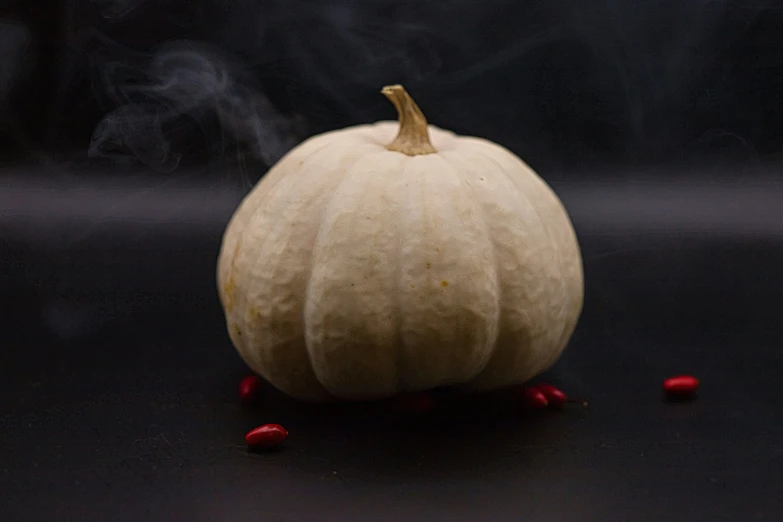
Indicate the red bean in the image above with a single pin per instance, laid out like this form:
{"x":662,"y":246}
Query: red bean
{"x":249,"y":389}
{"x":534,"y":398}
{"x":554,"y":396}
{"x":681,"y":385}
{"x":266,"y":436}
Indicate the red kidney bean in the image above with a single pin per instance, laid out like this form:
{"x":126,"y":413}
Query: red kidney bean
{"x":534,"y":398}
{"x":249,"y":389}
{"x":554,"y":396}
{"x":266,"y":436}
{"x":681,"y":385}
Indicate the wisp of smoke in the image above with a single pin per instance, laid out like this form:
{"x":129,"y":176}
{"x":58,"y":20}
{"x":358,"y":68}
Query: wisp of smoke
{"x":549,"y":80}
{"x":188,"y":82}
{"x":113,"y":10}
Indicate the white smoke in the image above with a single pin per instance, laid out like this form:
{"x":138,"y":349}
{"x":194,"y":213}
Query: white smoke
{"x":188,"y":82}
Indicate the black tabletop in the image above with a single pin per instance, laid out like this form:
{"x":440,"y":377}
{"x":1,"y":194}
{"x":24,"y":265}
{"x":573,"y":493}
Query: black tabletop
{"x":119,"y":384}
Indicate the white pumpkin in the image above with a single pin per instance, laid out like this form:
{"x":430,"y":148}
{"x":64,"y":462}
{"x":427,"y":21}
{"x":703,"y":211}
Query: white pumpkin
{"x":364,"y":264}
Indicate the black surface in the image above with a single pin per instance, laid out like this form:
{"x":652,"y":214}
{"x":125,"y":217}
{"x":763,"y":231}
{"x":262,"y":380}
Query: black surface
{"x":119,"y":383}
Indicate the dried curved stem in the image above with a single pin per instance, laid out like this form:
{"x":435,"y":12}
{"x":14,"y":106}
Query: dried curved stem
{"x":413,"y":137}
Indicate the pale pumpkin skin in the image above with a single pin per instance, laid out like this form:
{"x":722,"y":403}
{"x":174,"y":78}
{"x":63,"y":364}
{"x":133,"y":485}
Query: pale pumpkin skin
{"x":355,"y":272}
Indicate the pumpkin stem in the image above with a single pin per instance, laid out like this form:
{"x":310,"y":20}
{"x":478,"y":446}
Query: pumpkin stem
{"x":413,"y":137}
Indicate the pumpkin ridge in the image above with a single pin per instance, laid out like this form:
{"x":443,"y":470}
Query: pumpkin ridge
{"x":260,"y":243}
{"x":345,"y":170}
{"x":554,"y":355}
{"x":240,"y":299}
{"x":464,"y":182}
{"x":239,"y":222}
{"x":404,"y":204}
{"x":435,"y":226}
{"x":555,"y":247}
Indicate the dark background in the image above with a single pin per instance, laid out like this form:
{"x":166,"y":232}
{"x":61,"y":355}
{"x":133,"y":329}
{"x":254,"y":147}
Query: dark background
{"x":565,"y":84}
{"x":132,"y":128}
